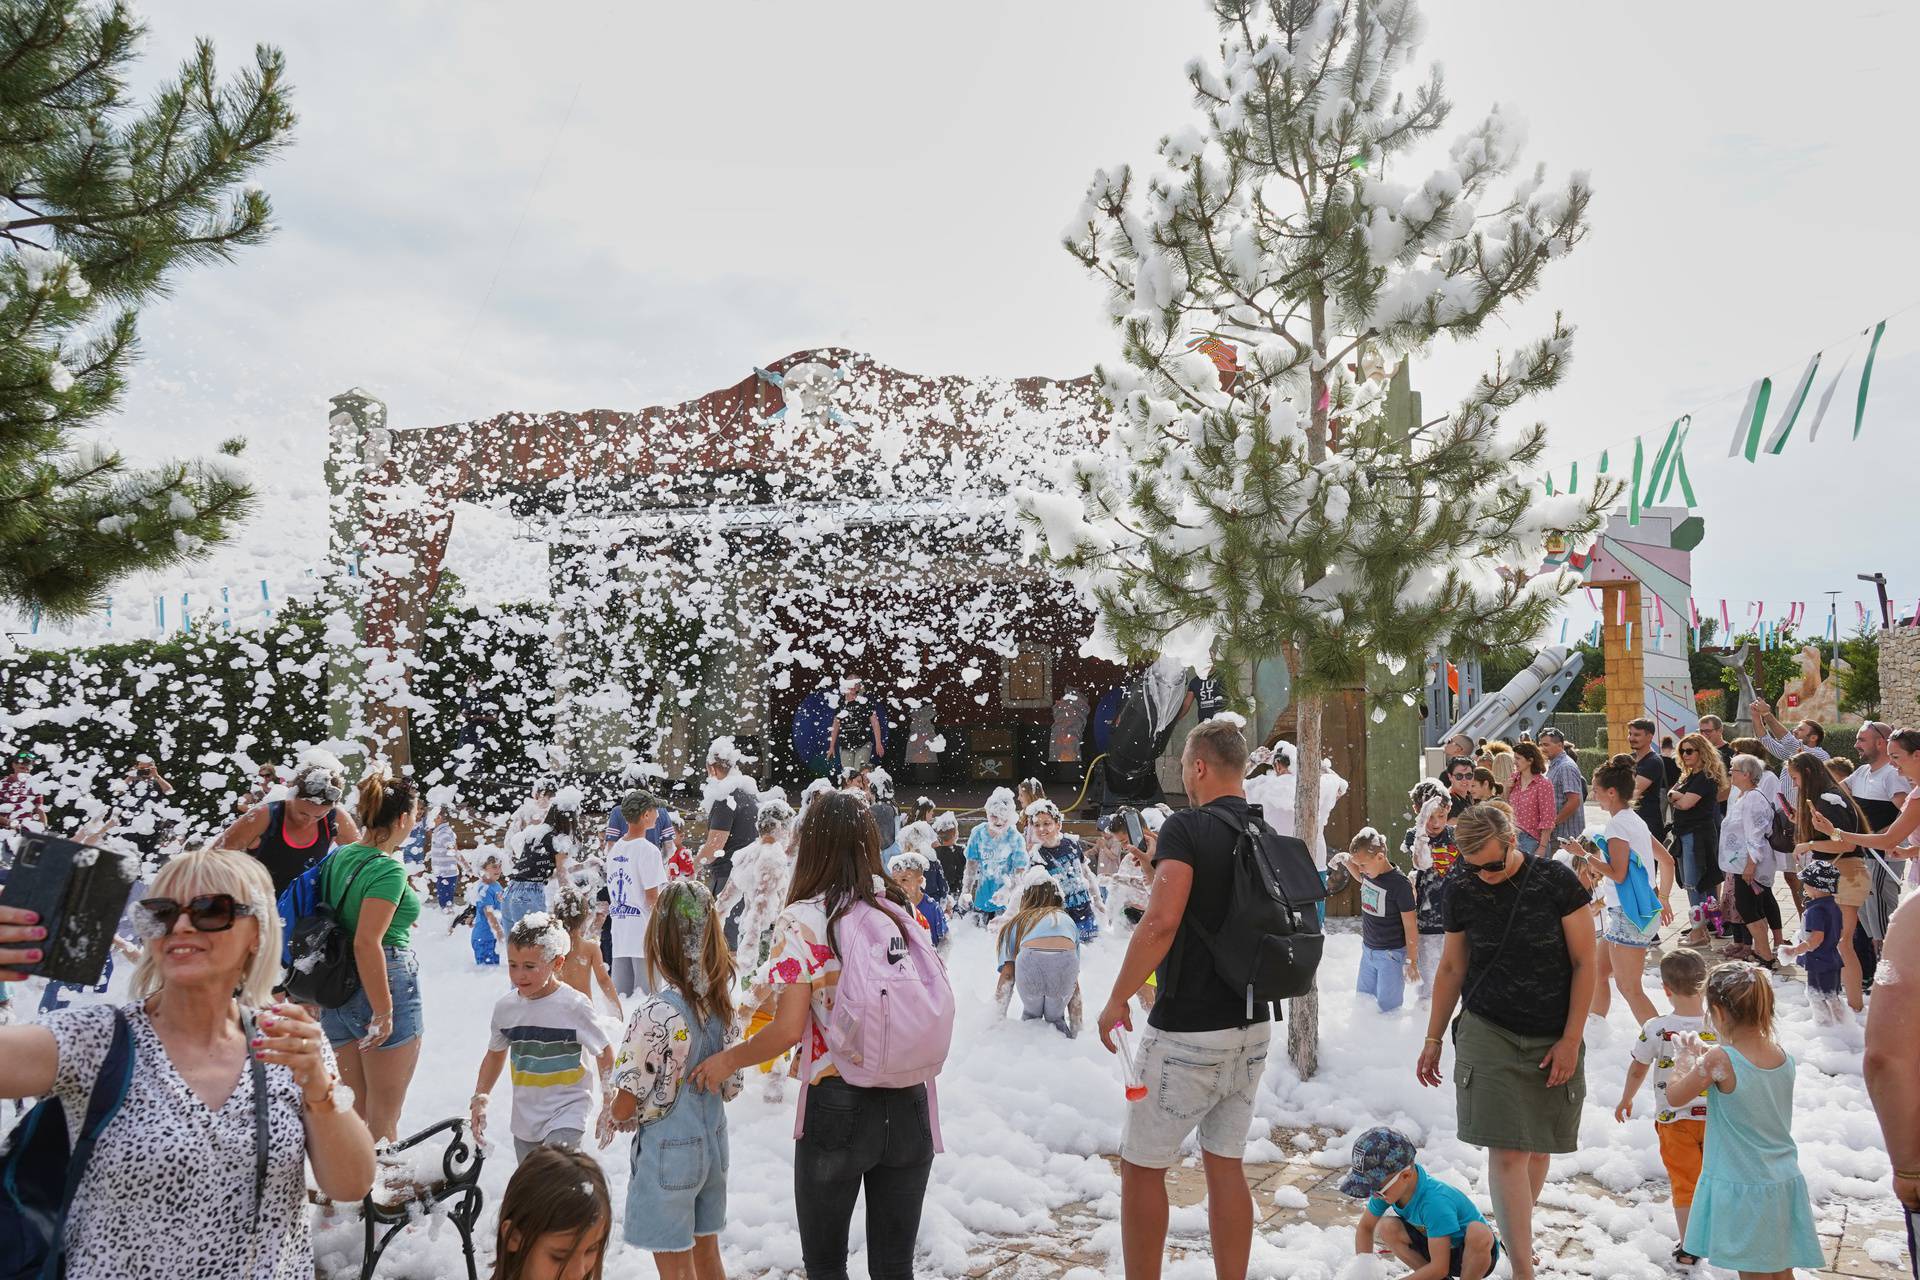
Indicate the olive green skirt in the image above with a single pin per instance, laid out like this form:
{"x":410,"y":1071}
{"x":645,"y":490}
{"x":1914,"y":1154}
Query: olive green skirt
{"x":1501,"y":1095}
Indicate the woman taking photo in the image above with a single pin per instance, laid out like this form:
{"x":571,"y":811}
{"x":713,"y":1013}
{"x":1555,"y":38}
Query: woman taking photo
{"x":1530,"y":795}
{"x":174,"y":1185}
{"x":848,"y":1135}
{"x":1519,"y":961}
{"x":377,"y":1033}
{"x":1695,"y":802}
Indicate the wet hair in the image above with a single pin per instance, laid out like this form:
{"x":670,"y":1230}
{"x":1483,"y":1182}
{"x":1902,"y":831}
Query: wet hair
{"x":837,"y":859}
{"x":1481,"y":825}
{"x":1367,"y":840}
{"x":686,"y":947}
{"x":539,"y":929}
{"x":773,"y":814}
{"x":491,"y":860}
{"x":923,"y":810}
{"x":1616,"y":775}
{"x":1740,"y":996}
{"x":553,"y":1192}
{"x":1222,"y":743}
{"x":381,"y":800}
{"x":1036,"y":901}
{"x":572,"y":909}
{"x":1683,"y":971}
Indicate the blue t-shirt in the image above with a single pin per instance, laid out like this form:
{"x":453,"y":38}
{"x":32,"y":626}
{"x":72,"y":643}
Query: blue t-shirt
{"x":1437,"y":1208}
{"x":617,"y":826}
{"x":1822,"y":916}
{"x":491,"y":895}
{"x":1055,"y":924}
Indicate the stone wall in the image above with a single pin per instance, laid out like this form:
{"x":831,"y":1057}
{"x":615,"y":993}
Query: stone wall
{"x":1900,"y":676}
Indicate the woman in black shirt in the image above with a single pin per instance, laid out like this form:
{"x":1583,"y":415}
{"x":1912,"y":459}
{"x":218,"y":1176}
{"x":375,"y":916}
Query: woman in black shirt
{"x":1519,"y":958}
{"x":1695,"y":801}
{"x":1820,"y":795}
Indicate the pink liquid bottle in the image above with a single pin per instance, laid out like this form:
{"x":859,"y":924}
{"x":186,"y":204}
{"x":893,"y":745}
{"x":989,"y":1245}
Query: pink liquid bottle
{"x":1136,"y":1088}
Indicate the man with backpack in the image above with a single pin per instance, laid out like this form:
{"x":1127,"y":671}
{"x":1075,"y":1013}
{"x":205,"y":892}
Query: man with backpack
{"x":1230,"y":927}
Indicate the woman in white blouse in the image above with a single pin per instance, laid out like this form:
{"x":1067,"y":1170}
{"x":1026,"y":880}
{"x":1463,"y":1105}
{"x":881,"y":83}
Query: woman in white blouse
{"x":1746,"y":855}
{"x":178,"y":1183}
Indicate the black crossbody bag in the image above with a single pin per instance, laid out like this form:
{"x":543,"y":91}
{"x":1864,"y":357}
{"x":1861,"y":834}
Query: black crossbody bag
{"x":1499,"y":950}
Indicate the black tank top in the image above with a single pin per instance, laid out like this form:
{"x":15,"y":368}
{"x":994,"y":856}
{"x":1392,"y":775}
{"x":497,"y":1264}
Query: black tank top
{"x":285,"y":861}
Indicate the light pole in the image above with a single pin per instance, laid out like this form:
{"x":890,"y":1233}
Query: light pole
{"x":1833,"y":623}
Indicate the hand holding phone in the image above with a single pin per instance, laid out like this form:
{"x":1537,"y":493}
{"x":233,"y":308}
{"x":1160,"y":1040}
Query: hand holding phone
{"x":76,"y":893}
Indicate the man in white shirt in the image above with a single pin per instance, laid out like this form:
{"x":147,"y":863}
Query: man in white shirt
{"x":1880,"y":790}
{"x":635,"y":874}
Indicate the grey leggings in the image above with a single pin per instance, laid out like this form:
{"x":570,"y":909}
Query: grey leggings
{"x":566,"y":1139}
{"x":1045,"y":981}
{"x":630,"y":975}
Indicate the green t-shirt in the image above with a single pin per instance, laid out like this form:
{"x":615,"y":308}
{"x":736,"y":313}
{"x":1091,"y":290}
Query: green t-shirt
{"x":386,"y":880}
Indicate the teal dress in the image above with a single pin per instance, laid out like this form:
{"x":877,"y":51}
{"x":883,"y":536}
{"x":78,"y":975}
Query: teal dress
{"x":1751,"y":1211}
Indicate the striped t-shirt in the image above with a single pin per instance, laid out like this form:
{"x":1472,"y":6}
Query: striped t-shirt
{"x":548,"y":1042}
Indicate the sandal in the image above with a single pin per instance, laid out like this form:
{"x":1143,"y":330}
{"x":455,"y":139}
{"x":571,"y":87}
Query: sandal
{"x":1685,"y":1259}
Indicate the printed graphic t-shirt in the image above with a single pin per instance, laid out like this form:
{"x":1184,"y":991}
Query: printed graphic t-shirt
{"x":547,"y":1042}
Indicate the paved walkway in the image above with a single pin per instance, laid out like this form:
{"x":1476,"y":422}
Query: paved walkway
{"x":1063,"y":1250}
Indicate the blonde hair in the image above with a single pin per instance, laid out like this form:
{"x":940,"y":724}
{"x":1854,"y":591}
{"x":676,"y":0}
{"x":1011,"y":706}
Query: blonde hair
{"x":245,"y":879}
{"x":1481,"y":825}
{"x":1706,"y":758}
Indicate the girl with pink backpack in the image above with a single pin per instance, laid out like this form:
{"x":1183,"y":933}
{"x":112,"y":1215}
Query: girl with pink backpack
{"x":860,"y":990}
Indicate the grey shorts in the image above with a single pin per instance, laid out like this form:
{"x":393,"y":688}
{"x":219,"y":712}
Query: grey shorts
{"x":1204,"y":1080}
{"x":566,"y":1139}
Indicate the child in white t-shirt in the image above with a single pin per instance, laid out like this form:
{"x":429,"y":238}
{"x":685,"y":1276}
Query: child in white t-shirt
{"x":636,"y":871}
{"x":545,"y":1030}
{"x":1682,"y":1130}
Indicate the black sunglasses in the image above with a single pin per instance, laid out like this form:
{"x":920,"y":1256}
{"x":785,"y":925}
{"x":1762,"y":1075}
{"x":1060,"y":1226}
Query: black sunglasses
{"x":1485,"y":868}
{"x":209,"y":913}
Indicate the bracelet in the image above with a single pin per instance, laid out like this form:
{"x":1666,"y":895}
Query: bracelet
{"x":1911,"y":1175}
{"x":1433,"y":1040}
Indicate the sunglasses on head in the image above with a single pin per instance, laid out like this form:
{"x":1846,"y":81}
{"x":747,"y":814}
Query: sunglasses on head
{"x":208,"y":913}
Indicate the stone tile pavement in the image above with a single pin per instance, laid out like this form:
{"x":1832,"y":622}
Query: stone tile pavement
{"x":1063,"y":1249}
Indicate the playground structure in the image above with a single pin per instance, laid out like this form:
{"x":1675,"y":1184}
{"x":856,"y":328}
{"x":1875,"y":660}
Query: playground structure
{"x":1643,"y":573}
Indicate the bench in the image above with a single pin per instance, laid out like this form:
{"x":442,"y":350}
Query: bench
{"x":410,"y":1188}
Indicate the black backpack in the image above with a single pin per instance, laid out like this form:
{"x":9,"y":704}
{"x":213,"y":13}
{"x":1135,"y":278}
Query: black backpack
{"x":1269,"y":944}
{"x":1780,"y":832}
{"x":41,"y":1169}
{"x":321,"y":969}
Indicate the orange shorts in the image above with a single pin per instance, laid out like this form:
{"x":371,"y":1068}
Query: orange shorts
{"x":1683,"y":1144}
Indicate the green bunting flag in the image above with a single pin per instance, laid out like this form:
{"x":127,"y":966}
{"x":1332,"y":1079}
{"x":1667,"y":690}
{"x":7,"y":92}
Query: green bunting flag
{"x":1783,"y":428}
{"x":1860,"y":407}
{"x":1633,"y":500}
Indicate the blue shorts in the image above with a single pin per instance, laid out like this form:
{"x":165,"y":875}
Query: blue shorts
{"x":678,"y":1189}
{"x":349,"y":1021}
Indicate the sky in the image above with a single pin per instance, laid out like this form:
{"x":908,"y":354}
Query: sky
{"x":640,"y":202}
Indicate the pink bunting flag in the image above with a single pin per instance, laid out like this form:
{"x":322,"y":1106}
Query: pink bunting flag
{"x":1726,"y":619}
{"x":1659,"y":616}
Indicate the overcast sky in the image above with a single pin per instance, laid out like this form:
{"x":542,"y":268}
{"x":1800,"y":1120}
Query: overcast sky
{"x":625,"y":204}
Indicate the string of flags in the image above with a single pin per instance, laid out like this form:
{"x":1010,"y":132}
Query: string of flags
{"x":1784,"y":630}
{"x":1656,"y":473}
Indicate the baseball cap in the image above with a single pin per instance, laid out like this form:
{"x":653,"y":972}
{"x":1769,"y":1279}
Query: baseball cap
{"x":1378,"y":1154}
{"x":635,"y":803}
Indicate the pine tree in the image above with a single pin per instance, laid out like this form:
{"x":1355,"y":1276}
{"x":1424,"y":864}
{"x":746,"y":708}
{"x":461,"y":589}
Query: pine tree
{"x":1252,"y":501}
{"x":103,"y":202}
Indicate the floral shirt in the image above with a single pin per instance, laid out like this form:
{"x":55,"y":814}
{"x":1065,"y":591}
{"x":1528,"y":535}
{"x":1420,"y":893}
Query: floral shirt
{"x":801,"y":955}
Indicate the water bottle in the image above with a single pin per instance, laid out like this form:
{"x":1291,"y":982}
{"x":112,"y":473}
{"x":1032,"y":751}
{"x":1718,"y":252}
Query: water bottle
{"x":1136,"y":1088}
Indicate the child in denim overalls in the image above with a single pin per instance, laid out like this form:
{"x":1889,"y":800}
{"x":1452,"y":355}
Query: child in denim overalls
{"x":677,"y":1197}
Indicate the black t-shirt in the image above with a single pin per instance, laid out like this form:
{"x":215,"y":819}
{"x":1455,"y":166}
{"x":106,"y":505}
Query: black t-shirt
{"x":1527,"y":987}
{"x":535,"y":863}
{"x":737,"y":813}
{"x":1193,"y":996}
{"x":1209,"y":696}
{"x":953,"y":864}
{"x":856,"y":723}
{"x":1650,"y":805}
{"x":1382,"y":899}
{"x":1702,"y":815}
{"x":1457,"y":805}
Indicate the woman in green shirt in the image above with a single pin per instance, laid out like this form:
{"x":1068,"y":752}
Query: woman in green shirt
{"x":376,"y":1034}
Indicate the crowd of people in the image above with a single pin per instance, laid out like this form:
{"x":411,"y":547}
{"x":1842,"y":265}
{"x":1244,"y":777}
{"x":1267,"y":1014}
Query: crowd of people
{"x":650,"y":975}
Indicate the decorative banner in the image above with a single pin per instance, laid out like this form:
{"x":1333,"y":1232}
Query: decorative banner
{"x":1866,"y":375}
{"x":1826,"y":398}
{"x":1746,"y":430}
{"x":1783,"y":428}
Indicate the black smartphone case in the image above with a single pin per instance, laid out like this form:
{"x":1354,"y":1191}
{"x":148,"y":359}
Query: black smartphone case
{"x":80,"y":892}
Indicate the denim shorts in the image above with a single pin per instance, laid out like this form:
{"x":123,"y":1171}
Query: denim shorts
{"x":349,"y":1021}
{"x":1621,"y":932}
{"x":678,"y":1190}
{"x":1205,"y":1080}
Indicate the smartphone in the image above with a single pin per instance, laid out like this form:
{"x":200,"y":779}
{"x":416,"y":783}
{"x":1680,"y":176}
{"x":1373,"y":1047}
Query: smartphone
{"x":1133,"y":826}
{"x":79,"y":892}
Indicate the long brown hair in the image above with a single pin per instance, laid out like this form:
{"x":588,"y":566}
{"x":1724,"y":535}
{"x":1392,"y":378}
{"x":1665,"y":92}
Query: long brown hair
{"x":1811,"y":777}
{"x":554,"y":1191}
{"x":837,"y":858}
{"x":684,"y":909}
{"x":1037,"y":901}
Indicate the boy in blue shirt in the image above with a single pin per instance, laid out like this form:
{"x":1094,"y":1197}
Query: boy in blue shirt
{"x":1428,"y":1224}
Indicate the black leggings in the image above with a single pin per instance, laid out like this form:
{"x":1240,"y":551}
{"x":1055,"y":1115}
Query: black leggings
{"x":1756,"y":903}
{"x":877,"y":1137}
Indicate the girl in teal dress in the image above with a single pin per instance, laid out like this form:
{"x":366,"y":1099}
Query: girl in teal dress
{"x":1751,"y":1212}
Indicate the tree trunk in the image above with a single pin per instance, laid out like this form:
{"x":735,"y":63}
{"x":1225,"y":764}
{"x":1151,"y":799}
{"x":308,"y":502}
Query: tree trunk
{"x":1303,"y":1014}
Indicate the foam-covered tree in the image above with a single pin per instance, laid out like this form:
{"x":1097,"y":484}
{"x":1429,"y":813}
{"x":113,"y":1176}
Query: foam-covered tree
{"x":101,"y":201}
{"x":1252,"y":501}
